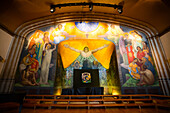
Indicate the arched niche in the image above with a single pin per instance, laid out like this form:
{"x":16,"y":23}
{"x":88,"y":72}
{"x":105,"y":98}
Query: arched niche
{"x":31,"y":26}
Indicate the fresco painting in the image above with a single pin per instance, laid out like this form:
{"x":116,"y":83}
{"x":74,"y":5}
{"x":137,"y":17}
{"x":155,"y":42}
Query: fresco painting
{"x":121,"y":54}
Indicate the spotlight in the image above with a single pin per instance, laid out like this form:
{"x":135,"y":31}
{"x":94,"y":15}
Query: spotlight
{"x":52,"y":9}
{"x":90,"y":7}
{"x":120,"y":10}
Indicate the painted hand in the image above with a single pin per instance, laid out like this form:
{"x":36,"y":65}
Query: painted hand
{"x":106,"y":45}
{"x":66,"y":45}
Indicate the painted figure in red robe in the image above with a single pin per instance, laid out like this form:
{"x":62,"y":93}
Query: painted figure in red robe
{"x":130,"y":53}
{"x":35,"y":64}
{"x":140,"y":53}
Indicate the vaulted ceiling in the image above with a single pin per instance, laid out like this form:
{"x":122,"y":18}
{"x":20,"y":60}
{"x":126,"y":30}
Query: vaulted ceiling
{"x":14,"y":13}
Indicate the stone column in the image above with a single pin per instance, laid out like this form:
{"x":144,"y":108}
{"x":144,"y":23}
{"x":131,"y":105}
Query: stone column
{"x":7,"y":77}
{"x":161,"y":64}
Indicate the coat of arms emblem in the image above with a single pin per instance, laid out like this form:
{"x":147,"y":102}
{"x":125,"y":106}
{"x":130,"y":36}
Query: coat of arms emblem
{"x":86,"y":77}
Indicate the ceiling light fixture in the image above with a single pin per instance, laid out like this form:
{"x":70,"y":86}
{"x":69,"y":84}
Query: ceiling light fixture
{"x":91,"y":7}
{"x":118,"y":7}
{"x":52,"y":9}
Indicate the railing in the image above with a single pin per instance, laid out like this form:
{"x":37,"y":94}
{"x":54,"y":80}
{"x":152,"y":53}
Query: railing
{"x":89,"y":101}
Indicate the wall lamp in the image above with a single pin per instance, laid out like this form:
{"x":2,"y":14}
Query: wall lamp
{"x":118,"y":7}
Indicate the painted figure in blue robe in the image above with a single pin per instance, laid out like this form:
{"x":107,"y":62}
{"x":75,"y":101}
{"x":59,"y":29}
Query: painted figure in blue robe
{"x":148,"y":64}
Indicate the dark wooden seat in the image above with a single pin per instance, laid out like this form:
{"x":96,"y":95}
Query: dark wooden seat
{"x":69,"y":101}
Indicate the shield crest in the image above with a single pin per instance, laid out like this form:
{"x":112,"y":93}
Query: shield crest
{"x":86,"y":77}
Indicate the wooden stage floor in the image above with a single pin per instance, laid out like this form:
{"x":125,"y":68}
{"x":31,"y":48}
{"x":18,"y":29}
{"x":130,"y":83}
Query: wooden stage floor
{"x":93,"y":110}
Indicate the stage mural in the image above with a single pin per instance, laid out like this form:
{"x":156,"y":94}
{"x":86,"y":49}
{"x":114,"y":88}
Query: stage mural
{"x":121,"y":54}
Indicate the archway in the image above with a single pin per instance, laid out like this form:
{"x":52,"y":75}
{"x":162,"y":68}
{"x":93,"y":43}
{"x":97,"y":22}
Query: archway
{"x":135,"y":46}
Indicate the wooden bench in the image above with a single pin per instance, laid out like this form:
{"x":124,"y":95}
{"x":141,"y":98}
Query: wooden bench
{"x":88,"y":101}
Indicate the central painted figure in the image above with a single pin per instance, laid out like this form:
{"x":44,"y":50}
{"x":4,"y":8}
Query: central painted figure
{"x":100,"y":50}
{"x":86,"y":54}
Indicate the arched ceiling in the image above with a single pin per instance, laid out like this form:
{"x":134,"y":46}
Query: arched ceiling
{"x":14,"y":13}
